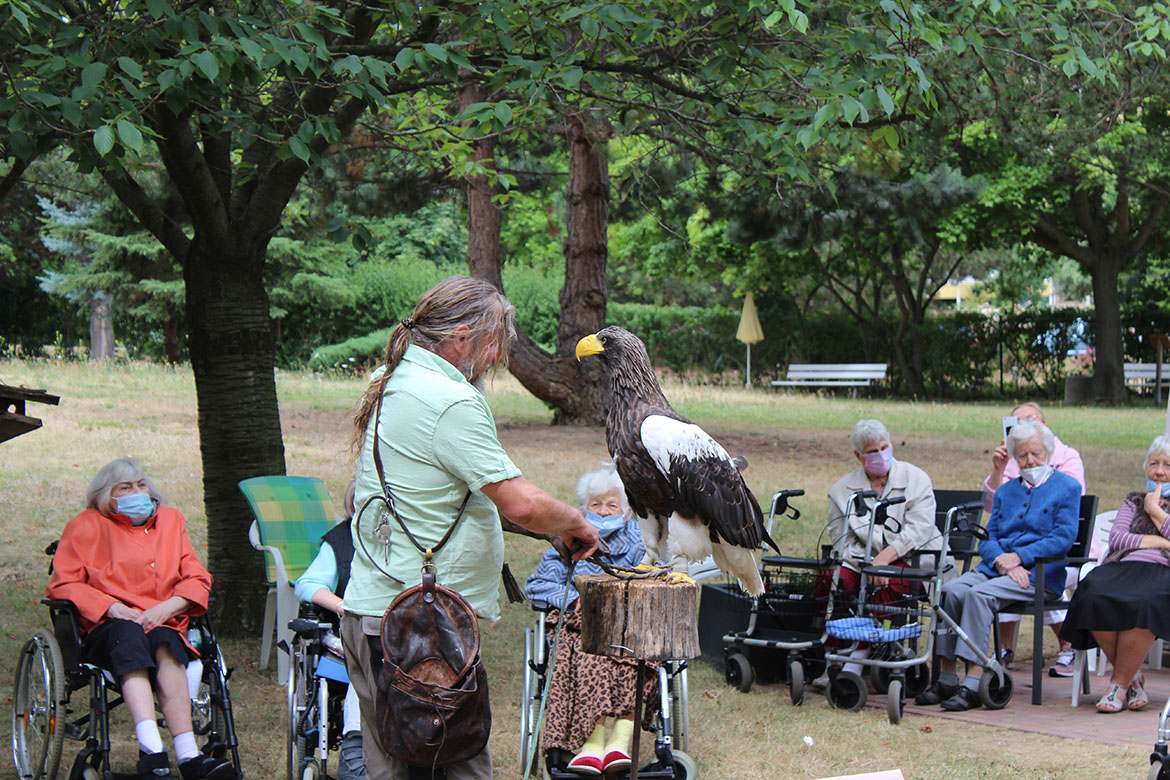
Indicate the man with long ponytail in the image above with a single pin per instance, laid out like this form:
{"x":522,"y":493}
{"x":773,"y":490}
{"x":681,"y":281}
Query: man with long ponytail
{"x":436,"y":438}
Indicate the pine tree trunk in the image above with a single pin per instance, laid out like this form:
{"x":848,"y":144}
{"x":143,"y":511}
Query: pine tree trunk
{"x":233,"y":357}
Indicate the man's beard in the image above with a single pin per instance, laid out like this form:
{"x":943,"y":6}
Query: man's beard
{"x":476,"y":375}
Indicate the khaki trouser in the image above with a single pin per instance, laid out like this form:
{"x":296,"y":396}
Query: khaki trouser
{"x":359,"y":663}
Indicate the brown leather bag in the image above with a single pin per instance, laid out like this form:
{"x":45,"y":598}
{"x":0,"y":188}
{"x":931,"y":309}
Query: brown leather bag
{"x":432,"y":699}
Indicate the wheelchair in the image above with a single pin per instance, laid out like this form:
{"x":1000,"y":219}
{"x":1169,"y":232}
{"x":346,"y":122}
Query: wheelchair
{"x":44,"y":715}
{"x":671,"y":728}
{"x":317,"y":687}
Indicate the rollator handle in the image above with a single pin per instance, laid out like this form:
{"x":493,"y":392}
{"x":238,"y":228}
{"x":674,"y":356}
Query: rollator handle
{"x":857,"y":501}
{"x":780,"y":504}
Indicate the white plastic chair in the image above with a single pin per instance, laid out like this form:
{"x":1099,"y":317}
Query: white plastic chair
{"x":1094,"y":659}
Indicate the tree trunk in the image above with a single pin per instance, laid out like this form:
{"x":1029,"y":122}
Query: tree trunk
{"x":578,"y":391}
{"x":483,"y":215}
{"x":232,"y":355}
{"x":101,"y":330}
{"x":1108,"y":373}
{"x":171,"y":344}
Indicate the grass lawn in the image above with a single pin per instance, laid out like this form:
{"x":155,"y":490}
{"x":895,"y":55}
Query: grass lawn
{"x":797,"y":441}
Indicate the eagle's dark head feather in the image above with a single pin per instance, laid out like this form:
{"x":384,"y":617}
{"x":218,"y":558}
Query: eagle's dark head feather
{"x":630,"y":372}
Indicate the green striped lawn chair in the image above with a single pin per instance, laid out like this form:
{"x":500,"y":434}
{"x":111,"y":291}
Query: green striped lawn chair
{"x":292,"y":513}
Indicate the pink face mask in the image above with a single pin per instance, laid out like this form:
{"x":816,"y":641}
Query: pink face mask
{"x":879,"y":463}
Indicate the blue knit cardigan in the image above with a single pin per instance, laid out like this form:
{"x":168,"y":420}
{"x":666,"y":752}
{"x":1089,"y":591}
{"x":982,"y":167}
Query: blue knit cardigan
{"x":1033,"y":522}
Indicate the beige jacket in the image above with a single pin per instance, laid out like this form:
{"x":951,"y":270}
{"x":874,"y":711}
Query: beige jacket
{"x":911,"y":526}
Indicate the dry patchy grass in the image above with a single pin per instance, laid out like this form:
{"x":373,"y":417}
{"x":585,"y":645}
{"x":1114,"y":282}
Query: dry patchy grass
{"x":790,"y":441}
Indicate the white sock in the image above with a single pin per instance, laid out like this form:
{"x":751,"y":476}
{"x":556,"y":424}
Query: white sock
{"x":148,"y":737}
{"x":185,"y":746}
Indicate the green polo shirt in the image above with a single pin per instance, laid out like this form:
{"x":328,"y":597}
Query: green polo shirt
{"x":438,"y":440}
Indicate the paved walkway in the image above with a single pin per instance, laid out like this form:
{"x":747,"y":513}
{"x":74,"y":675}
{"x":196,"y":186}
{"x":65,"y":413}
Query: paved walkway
{"x":1056,"y":715}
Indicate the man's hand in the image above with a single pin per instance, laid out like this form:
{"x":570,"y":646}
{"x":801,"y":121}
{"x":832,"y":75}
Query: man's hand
{"x":1020,"y":576}
{"x":1005,"y":562}
{"x":585,"y":535}
{"x":120,"y":611}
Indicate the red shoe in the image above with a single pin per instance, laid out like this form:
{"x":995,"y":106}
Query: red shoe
{"x":586,"y":764}
{"x":616,"y":759}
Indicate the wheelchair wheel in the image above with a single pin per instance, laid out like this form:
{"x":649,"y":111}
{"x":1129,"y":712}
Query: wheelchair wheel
{"x":38,"y":707}
{"x":992,"y":693}
{"x":847,"y":692}
{"x":895,"y":701}
{"x":738,"y":672}
{"x":796,"y":681}
{"x":684,"y":767}
{"x":1158,"y":770}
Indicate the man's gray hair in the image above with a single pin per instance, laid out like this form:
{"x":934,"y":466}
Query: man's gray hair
{"x":593,"y":484}
{"x":1160,"y":446}
{"x":867,"y":432}
{"x":1025,"y":430}
{"x":113,"y":473}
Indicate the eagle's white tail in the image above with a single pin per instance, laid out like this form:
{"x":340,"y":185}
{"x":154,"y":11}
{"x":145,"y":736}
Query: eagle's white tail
{"x":741,"y":562}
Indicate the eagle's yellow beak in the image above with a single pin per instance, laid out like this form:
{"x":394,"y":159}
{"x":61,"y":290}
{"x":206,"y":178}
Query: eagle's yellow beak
{"x":590,"y":345}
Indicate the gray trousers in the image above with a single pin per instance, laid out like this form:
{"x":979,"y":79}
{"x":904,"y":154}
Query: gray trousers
{"x":359,"y":665}
{"x":972,"y":601}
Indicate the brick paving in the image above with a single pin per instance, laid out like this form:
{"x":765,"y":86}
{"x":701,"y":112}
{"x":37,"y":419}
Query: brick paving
{"x":1056,"y":715}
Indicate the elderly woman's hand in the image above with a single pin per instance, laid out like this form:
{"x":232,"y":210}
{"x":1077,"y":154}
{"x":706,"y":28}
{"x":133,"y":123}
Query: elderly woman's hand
{"x":161,"y":612}
{"x":120,"y":611}
{"x":1005,"y":562}
{"x":1153,"y":504}
{"x":1020,"y":576}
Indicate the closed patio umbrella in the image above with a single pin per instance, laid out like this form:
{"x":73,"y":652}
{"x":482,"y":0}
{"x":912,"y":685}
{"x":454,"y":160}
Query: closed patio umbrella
{"x":749,"y":332}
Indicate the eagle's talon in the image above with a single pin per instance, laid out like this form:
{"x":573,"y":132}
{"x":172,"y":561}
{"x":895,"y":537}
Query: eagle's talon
{"x":679,"y":578}
{"x":646,"y":567}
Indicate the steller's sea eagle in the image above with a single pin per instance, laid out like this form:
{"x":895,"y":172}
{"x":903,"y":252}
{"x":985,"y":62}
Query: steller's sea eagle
{"x":680,"y":481}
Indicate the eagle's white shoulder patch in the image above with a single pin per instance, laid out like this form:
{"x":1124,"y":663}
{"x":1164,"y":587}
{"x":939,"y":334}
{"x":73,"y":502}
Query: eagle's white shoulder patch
{"x":665,"y":438}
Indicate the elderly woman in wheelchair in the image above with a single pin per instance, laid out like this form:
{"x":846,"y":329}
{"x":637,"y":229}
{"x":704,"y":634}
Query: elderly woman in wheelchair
{"x":591,"y":698}
{"x":128,"y":567}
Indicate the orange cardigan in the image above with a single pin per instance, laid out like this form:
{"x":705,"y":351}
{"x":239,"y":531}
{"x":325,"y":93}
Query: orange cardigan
{"x":102,"y":559}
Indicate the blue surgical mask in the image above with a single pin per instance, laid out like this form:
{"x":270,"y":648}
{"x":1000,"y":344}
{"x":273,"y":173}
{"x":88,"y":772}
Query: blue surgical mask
{"x":606,"y":524}
{"x":879,"y":463}
{"x":1151,"y":485}
{"x":139,"y":507}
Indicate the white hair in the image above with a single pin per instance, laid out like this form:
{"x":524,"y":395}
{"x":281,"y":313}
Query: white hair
{"x":1160,"y":446}
{"x":113,"y":473}
{"x":1026,"y":430}
{"x":593,"y":484}
{"x":867,"y":432}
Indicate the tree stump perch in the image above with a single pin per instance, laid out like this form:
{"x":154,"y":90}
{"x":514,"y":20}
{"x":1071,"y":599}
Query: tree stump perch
{"x":648,"y":619}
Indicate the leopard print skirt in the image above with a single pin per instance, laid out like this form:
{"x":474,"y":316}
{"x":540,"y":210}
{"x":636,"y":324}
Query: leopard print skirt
{"x":587,"y":687}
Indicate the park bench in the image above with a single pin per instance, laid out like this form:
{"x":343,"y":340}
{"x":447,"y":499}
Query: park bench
{"x":851,"y":375}
{"x":1140,"y":377}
